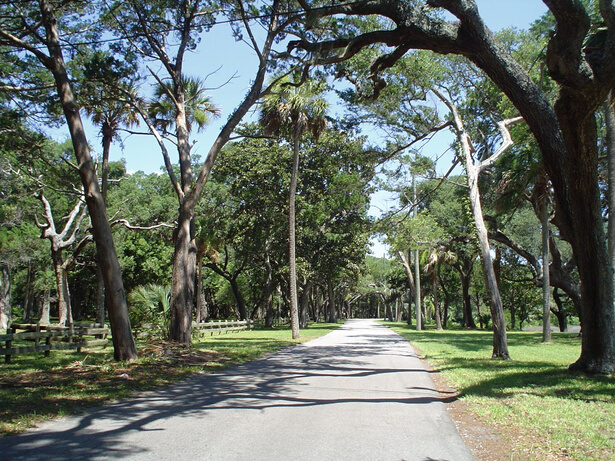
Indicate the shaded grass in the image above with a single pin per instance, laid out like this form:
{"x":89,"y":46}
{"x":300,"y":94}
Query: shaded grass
{"x":549,"y":412}
{"x":34,"y":388}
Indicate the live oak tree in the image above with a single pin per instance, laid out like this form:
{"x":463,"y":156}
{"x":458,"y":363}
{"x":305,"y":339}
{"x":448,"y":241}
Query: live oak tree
{"x":564,"y":130}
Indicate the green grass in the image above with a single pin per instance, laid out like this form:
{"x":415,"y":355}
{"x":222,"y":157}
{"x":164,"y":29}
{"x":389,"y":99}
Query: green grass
{"x":34,"y":388}
{"x":550,"y":411}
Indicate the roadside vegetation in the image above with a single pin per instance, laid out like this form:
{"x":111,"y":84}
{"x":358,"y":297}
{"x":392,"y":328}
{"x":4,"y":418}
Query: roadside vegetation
{"x":553,"y":414}
{"x":34,"y":389}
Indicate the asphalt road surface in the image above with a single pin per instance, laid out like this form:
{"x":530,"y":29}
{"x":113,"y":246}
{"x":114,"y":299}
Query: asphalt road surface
{"x":358,"y":393}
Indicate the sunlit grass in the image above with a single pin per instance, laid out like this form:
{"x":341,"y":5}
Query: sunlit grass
{"x":34,"y":388}
{"x":551,"y":410}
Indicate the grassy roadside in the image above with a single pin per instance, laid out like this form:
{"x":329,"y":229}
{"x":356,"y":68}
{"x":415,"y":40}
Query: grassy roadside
{"x":34,"y":388}
{"x":554,"y":414}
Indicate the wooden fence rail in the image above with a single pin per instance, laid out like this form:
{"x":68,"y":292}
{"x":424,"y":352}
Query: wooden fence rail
{"x":224,"y":325}
{"x":46,"y":338}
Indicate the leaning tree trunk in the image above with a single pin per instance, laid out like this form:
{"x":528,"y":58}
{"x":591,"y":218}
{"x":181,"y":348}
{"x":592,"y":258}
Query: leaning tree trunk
{"x":500,"y":346}
{"x":123,"y":341}
{"x":241,"y":302}
{"x":294,"y":307}
{"x":5,"y":297}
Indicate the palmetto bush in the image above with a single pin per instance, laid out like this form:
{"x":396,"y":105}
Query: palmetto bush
{"x":150,"y":308}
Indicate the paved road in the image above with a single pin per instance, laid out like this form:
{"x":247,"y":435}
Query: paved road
{"x":358,"y":393}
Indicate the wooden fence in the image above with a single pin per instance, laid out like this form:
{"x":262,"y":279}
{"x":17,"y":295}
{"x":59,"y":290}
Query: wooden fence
{"x":224,"y":325}
{"x":47,"y":338}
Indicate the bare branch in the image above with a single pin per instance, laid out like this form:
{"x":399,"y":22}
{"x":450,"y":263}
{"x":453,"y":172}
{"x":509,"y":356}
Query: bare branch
{"x":127,"y":225}
{"x":506,"y":142}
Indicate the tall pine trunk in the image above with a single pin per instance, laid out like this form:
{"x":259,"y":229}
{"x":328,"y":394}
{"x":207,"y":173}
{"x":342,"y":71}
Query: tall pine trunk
{"x":123,"y":341}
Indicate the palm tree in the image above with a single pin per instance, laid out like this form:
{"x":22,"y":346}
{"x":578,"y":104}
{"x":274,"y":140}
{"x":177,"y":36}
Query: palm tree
{"x":111,"y":112}
{"x":293,"y":110}
{"x":198,"y":106}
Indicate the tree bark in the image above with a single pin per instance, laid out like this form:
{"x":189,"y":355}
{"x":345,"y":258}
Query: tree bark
{"x":45,"y":307}
{"x":560,"y":314}
{"x":408,"y":270}
{"x":201,"y":303}
{"x":546,"y":283}
{"x":5,"y":297}
{"x":589,"y":239}
{"x":28,"y":301}
{"x":436,"y":300}
{"x":609,"y":116}
{"x":294,"y":308}
{"x":465,"y":273}
{"x":332,"y":317}
{"x":183,"y":278}
{"x":64,"y":308}
{"x":269,"y":288}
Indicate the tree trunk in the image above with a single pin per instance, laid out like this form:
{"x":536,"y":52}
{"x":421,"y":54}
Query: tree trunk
{"x":201,"y":303}
{"x":417,"y":292}
{"x":332,"y":317}
{"x":183,"y":278}
{"x":5,"y":297}
{"x":609,"y":115}
{"x":28,"y":301}
{"x":303,"y":304}
{"x":500,"y":346}
{"x":417,"y":274}
{"x":560,"y":314}
{"x":45,"y":308}
{"x":546,"y":284}
{"x":269,"y":288}
{"x":408,"y":270}
{"x":64,"y":309}
{"x":100,"y":296}
{"x":294,"y":308}
{"x":123,"y":341}
{"x":436,"y":301}
{"x":241,"y":303}
{"x":465,"y":273}
{"x":589,"y":242}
